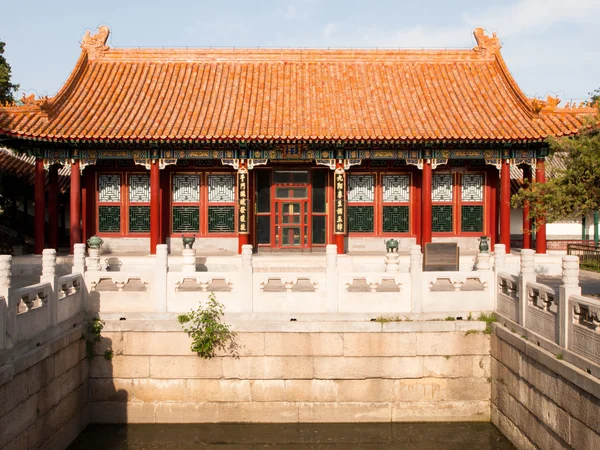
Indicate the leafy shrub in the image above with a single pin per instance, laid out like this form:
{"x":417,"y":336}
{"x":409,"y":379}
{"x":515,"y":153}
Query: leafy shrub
{"x":208,"y":331}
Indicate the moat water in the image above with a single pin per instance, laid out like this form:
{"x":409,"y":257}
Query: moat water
{"x":354,"y":436}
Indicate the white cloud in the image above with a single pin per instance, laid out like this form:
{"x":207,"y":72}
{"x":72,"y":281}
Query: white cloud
{"x":291,"y":12}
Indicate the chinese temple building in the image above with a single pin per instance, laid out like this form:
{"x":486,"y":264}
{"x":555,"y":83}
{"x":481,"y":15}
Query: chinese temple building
{"x":286,"y":149}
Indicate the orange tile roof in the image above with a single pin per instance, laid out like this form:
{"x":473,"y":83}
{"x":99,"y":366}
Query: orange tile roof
{"x":243,"y":94}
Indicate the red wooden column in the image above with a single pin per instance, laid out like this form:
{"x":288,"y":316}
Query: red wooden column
{"x":505,"y":204}
{"x":493,"y":177}
{"x":540,"y":234}
{"x":526,"y":219}
{"x":53,"y":207}
{"x":426,"y":203}
{"x":243,"y":189}
{"x":75,"y":206}
{"x":154,"y":206}
{"x":40,"y":213}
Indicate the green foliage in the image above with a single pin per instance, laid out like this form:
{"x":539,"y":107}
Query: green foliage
{"x":92,"y":333}
{"x":593,"y":266}
{"x":7,"y":89}
{"x":470,"y":316}
{"x":488,"y":319}
{"x":450,"y":318}
{"x":386,"y":319}
{"x":108,"y":354}
{"x":208,"y":332}
{"x":468,"y":332}
{"x":560,"y":356}
{"x":574,"y":190}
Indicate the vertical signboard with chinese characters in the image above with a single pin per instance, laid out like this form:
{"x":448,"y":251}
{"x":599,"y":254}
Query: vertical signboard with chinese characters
{"x":339,"y":215}
{"x":242,"y":184}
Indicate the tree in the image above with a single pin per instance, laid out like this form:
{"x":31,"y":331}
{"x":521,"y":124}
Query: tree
{"x":573,"y":191}
{"x":7,"y":89}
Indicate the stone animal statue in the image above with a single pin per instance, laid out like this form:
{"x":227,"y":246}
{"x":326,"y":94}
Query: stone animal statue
{"x":391,"y":245}
{"x":188,"y":241}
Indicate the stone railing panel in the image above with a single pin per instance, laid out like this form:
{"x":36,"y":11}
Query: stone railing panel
{"x":584,"y":327}
{"x":457,"y":291}
{"x":32,"y":307}
{"x":69,"y":291}
{"x":3,"y":322}
{"x":378,"y":292}
{"x":542,"y":311}
{"x":295,"y":292}
{"x":185,"y":291}
{"x":124,"y":291}
{"x":508,"y":295}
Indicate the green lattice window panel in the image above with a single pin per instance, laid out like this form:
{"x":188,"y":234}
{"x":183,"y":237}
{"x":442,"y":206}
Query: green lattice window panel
{"x":186,"y":218}
{"x":221,"y":219}
{"x":360,"y":219}
{"x":139,"y":219}
{"x":109,"y":219}
{"x":441,"y":218}
{"x":471,"y":218}
{"x":395,"y":219}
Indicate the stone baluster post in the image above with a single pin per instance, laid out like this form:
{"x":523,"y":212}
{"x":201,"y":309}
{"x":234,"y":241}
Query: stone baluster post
{"x":189,"y":260}
{"x":527,"y":276}
{"x":570,"y":286}
{"x":416,"y":279}
{"x":499,"y":263}
{"x":49,"y":276}
{"x":79,"y":259}
{"x":392,"y":262}
{"x":483,"y":261}
{"x":246,"y":288}
{"x":160,"y":280}
{"x":93,"y":260}
{"x":7,"y":321}
{"x":331,"y":252}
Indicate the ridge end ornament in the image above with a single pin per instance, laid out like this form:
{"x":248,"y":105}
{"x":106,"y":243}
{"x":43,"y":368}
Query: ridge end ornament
{"x":95,"y":45}
{"x":486,"y":45}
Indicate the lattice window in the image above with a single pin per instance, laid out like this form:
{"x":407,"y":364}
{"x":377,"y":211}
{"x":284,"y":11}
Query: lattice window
{"x":186,"y":188}
{"x":396,"y":219}
{"x":139,"y":188}
{"x":186,"y":218}
{"x":396,"y":188}
{"x":109,"y":219}
{"x":472,"y":188}
{"x":109,"y":188}
{"x":441,"y":217}
{"x":139,"y":219}
{"x":441,"y":190}
{"x":361,"y":188}
{"x":360,"y":219}
{"x":471,"y":218}
{"x":221,"y":219}
{"x":220,"y":188}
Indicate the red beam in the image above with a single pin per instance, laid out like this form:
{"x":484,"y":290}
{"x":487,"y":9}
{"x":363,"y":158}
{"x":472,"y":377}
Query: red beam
{"x":505,"y":205}
{"x":40,"y":216}
{"x":540,"y":235}
{"x":75,"y":206}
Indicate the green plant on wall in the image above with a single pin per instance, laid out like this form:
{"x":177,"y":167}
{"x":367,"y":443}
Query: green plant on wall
{"x":92,"y":333}
{"x":208,"y":331}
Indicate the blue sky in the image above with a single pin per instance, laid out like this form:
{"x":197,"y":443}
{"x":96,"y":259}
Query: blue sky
{"x":550,"y":46}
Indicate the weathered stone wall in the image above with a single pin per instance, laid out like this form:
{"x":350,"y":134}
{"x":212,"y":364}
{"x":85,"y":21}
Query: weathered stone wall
{"x":539,"y":401}
{"x":44,"y":394}
{"x":345,"y":372}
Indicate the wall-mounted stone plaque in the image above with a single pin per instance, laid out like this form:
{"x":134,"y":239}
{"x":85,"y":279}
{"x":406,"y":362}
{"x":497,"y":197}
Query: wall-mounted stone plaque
{"x":441,"y":256}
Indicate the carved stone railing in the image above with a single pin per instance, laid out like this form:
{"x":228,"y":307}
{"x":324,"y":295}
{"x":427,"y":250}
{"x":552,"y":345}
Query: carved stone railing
{"x":32,"y":307}
{"x":583,"y":328}
{"x":69,"y":292}
{"x":507,"y":302}
{"x":542,"y":311}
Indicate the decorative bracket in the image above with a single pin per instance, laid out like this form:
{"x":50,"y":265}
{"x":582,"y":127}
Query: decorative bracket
{"x":162,"y":163}
{"x":235,"y":163}
{"x":326,"y":162}
{"x":497,"y":162}
{"x":351,"y":162}
{"x":415,"y":162}
{"x":438,"y":162}
{"x":143,"y":162}
{"x":83,"y":163}
{"x":50,"y":162}
{"x":257,"y":162}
